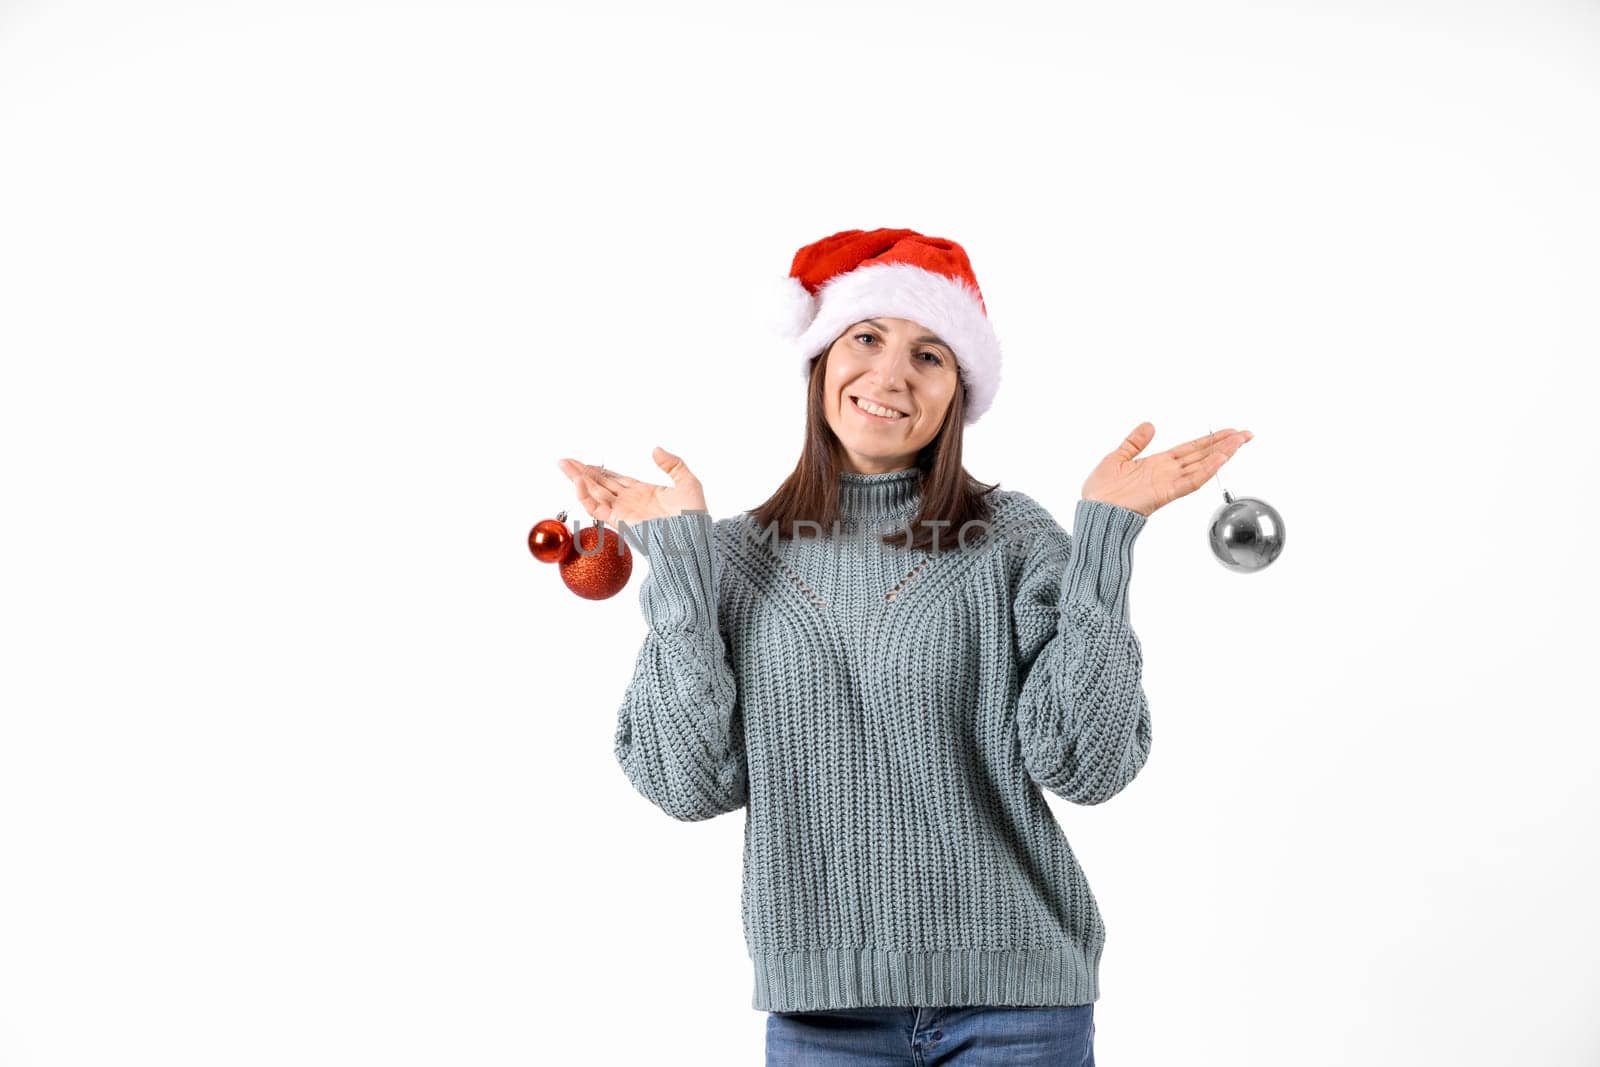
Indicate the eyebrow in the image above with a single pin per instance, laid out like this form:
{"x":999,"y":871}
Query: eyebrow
{"x":926,"y":338}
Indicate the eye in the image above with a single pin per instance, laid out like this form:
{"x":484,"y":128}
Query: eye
{"x":859,"y":336}
{"x":937,"y":362}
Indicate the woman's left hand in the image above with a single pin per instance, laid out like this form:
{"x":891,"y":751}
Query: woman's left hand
{"x":1143,"y":485}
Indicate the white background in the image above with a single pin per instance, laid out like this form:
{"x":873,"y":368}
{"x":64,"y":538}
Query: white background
{"x":304,"y":759}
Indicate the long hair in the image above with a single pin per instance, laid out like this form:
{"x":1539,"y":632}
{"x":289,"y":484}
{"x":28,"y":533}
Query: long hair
{"x":810,"y":494}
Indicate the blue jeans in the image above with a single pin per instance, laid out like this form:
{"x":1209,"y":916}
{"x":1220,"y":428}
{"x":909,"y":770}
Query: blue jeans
{"x":986,"y":1036}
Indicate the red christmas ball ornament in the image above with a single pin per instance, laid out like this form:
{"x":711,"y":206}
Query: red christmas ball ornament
{"x":550,"y":541}
{"x":599,"y":566}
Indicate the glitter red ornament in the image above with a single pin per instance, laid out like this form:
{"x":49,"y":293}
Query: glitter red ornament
{"x":603,"y":565}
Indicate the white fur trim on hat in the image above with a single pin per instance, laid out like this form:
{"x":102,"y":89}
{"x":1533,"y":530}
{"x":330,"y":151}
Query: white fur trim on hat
{"x":792,"y":308}
{"x":947,"y":306}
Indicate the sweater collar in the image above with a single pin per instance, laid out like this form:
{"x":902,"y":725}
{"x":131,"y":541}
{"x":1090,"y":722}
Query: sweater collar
{"x":878,"y":496}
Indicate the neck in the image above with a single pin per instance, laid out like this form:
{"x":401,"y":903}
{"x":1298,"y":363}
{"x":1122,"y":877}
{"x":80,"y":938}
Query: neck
{"x":878,"y":496}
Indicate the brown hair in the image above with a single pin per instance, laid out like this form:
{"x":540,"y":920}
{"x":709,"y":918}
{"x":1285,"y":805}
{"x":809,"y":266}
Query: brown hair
{"x":811,"y":492}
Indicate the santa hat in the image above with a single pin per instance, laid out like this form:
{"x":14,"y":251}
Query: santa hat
{"x":861,"y":274}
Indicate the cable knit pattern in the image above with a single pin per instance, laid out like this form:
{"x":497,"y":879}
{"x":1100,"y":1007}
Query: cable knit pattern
{"x":887,"y":717}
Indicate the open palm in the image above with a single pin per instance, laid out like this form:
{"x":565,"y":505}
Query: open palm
{"x":616,"y":498}
{"x":1143,"y":485}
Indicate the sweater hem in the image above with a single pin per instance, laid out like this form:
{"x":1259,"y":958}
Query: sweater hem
{"x":829,"y":979}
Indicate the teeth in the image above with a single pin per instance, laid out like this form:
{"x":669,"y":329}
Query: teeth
{"x":867,"y":405}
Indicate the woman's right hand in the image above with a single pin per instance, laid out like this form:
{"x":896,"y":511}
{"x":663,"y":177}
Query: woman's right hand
{"x":613,"y":498}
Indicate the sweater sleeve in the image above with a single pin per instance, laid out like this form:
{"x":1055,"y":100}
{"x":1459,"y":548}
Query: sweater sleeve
{"x":1082,"y":717}
{"x":679,"y":736}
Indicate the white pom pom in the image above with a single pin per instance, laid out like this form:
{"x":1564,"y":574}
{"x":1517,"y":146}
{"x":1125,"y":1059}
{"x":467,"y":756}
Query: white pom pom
{"x":792,"y":308}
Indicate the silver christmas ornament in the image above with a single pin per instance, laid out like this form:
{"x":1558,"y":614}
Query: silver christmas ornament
{"x":1246,"y":534}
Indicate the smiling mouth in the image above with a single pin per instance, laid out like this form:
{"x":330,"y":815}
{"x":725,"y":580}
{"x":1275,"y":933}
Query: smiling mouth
{"x":855,"y":402}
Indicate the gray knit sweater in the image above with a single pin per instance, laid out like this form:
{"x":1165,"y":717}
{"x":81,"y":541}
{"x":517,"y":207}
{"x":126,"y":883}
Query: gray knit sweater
{"x":886,"y":717}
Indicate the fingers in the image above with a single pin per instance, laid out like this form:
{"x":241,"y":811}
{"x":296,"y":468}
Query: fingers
{"x":1202,"y":448}
{"x":609,"y":479}
{"x":602,"y":477}
{"x":1137,"y":440}
{"x":1193,"y":476}
{"x":674,"y":466}
{"x":1197,"y":476}
{"x":597,"y":499}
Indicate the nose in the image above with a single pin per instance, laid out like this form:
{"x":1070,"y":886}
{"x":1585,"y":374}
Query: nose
{"x":893,"y":370}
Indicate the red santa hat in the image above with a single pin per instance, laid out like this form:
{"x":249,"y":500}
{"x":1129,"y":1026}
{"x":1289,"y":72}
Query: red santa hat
{"x":860,"y":274}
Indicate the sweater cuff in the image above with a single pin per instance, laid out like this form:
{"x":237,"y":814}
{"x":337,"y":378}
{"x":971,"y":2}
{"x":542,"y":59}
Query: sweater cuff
{"x":1100,"y":562}
{"x":680,"y":589}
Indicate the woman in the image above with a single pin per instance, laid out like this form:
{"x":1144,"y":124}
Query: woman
{"x":885,"y":663}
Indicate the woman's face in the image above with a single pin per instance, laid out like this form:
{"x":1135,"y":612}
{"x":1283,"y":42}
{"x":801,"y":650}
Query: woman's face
{"x":893,"y":364}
